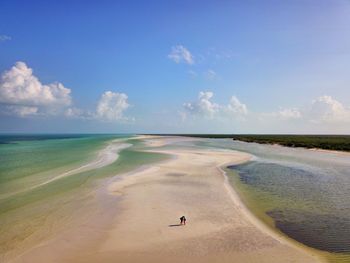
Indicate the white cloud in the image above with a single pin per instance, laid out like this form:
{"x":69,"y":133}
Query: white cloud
{"x":321,"y":110}
{"x":210,"y":74}
{"x":21,"y":93}
{"x":111,"y":106}
{"x":181,"y":54}
{"x":4,"y":38}
{"x":21,"y":111}
{"x":76,"y":113}
{"x":287,"y":114}
{"x":205,"y":107}
{"x":283,"y":114}
{"x":237,"y":107}
{"x":324,"y":114}
{"x":328,"y":109}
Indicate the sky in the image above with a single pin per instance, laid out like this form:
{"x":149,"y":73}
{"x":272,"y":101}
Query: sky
{"x":175,"y":66}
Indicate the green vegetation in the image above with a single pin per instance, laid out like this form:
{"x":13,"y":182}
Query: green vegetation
{"x":327,"y":142}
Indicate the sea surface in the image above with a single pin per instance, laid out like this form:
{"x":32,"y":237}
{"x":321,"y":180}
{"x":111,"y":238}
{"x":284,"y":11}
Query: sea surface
{"x":43,"y":191}
{"x":305,"y":194}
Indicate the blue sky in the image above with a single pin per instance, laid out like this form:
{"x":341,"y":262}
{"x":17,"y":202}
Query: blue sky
{"x":175,"y":66}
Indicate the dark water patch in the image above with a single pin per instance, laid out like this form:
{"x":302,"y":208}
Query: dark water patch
{"x":309,"y":204}
{"x":298,"y":180}
{"x":326,"y":232}
{"x":282,"y":181}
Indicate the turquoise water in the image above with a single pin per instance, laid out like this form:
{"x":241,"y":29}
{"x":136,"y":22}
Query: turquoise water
{"x":306,"y":194}
{"x":29,"y":160}
{"x":30,"y":211}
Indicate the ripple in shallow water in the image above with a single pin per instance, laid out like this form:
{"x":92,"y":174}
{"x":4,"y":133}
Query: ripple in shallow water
{"x":325,"y":232}
{"x":309,"y":204}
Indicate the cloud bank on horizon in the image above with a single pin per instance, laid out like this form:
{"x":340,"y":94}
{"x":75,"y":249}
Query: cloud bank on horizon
{"x":23,"y":95}
{"x":322,"y":110}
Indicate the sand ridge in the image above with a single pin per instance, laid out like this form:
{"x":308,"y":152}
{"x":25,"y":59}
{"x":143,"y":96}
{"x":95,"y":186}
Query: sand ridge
{"x":192,"y":184}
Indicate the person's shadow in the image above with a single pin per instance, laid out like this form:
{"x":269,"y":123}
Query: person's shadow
{"x":175,"y":225}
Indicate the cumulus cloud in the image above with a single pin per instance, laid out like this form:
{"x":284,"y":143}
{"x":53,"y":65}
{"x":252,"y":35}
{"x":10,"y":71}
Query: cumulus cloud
{"x":181,"y":54}
{"x":205,"y":107}
{"x":4,"y":38}
{"x":21,"y":93}
{"x":328,"y":109}
{"x":323,"y":114}
{"x":237,"y":107}
{"x":321,"y":110}
{"x":111,"y":106}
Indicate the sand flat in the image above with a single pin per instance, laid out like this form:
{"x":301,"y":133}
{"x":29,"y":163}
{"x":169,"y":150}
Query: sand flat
{"x":218,"y":229}
{"x":151,"y":200}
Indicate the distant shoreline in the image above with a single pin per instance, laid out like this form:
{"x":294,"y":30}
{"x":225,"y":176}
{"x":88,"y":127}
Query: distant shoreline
{"x":334,"y":143}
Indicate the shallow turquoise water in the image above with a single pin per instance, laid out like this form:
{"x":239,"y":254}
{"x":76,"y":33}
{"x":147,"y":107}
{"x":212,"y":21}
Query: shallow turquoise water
{"x":39,"y":212}
{"x":28,"y":160}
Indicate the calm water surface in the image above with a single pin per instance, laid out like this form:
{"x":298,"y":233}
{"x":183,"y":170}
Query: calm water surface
{"x":305,"y":194}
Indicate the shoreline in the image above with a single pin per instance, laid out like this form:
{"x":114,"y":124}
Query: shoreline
{"x":272,"y":231}
{"x":338,"y":152}
{"x":234,"y":195}
{"x":231,"y":137}
{"x":130,"y":187}
{"x":151,"y":198}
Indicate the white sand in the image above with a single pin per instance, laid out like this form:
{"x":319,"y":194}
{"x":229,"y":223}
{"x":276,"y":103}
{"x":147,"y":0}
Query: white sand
{"x":152,"y":199}
{"x":219,"y":228}
{"x":105,"y":157}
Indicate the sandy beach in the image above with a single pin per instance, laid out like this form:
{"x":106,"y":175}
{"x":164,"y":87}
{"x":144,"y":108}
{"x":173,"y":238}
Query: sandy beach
{"x":219,"y":228}
{"x":152,"y":199}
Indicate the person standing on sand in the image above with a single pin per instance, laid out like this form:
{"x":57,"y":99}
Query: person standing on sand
{"x":183,"y":220}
